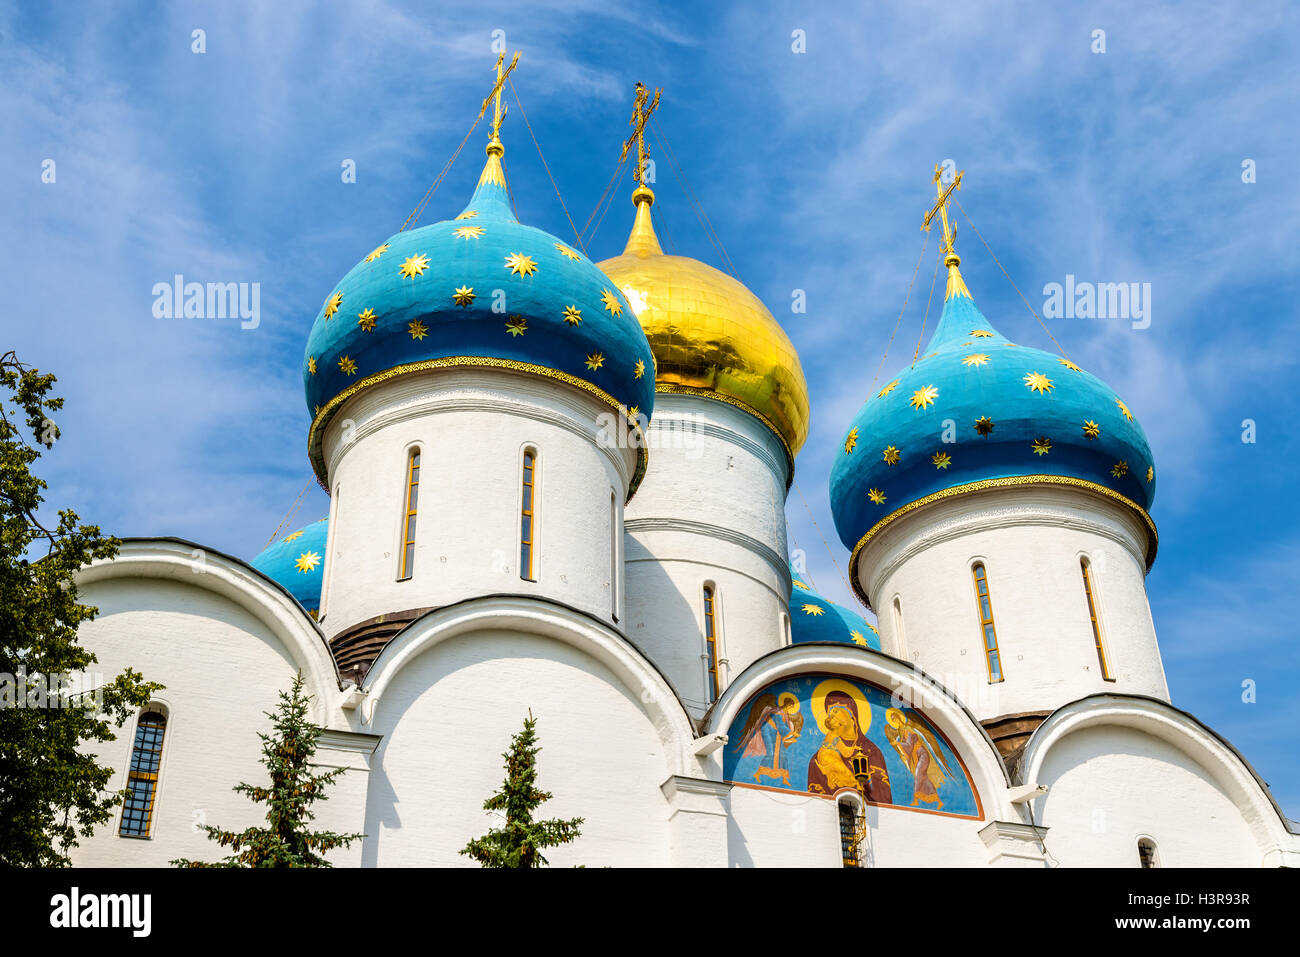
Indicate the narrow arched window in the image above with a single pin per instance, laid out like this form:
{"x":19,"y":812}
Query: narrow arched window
{"x":900,"y":640}
{"x":528,"y":516}
{"x":408,"y":515}
{"x":614,"y":555}
{"x":142,"y":778}
{"x":853,"y":829}
{"x":711,"y":641}
{"x":1092,"y":615}
{"x":991,"y":657}
{"x":1147,"y":853}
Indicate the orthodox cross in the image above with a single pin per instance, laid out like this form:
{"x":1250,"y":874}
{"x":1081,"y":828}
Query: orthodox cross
{"x":498,"y":111}
{"x":941,"y":206}
{"x":640,"y":116}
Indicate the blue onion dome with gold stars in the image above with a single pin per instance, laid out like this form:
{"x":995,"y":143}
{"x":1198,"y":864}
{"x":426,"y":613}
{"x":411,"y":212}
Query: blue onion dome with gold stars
{"x":977,"y":411}
{"x":814,"y":618}
{"x":297,"y":562}
{"x":480,"y":290}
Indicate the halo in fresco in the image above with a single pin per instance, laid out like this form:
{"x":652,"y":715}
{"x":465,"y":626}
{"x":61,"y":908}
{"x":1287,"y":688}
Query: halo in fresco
{"x":822,"y":734}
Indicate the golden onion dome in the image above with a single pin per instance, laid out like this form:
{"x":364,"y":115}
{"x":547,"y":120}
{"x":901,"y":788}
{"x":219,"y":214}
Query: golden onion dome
{"x":709,"y":334}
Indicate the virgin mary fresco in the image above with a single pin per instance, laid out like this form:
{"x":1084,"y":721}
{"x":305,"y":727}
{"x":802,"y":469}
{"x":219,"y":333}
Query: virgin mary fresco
{"x":843,"y":715}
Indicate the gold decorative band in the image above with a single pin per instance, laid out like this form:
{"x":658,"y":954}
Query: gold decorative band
{"x":316,"y":434}
{"x":1006,"y":482}
{"x":674,"y":389}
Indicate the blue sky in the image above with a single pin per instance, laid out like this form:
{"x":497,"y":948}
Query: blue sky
{"x":814,"y":169}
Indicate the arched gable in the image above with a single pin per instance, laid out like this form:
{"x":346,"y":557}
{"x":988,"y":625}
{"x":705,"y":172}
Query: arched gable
{"x":1206,"y":750}
{"x":970,"y":754}
{"x":552,"y":621}
{"x":192,"y":565}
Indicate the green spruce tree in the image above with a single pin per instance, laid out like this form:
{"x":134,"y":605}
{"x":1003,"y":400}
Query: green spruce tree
{"x":519,"y":843}
{"x":294,"y":788}
{"x":52,"y":788}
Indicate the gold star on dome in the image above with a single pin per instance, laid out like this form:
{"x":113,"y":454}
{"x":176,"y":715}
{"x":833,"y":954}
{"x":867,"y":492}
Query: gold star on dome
{"x":595,"y":360}
{"x":851,"y":441}
{"x":1119,"y":469}
{"x":941,"y":460}
{"x":1038,"y":382}
{"x":566,"y":251}
{"x":984,"y":425}
{"x":1151,"y":473}
{"x":638,"y":370}
{"x":307,"y":562}
{"x":521,"y":265}
{"x":332,"y":305}
{"x":377,"y":252}
{"x":890,"y":455}
{"x":1042,"y":446}
{"x":1123,"y":408}
{"x":799,"y":584}
{"x":415,"y":266}
{"x":417,"y":329}
{"x":633,"y":412}
{"x":858,"y":639}
{"x":976,"y":359}
{"x":1091,"y":429}
{"x":814,"y":610}
{"x":464,"y":295}
{"x":611,"y":302}
{"x":573,"y":315}
{"x":289,"y":538}
{"x":517,"y":325}
{"x":923,"y":397}
{"x":468,"y":214}
{"x":886,"y":390}
{"x":366,"y":320}
{"x":1069,"y":365}
{"x":347,"y":366}
{"x":876,"y":496}
{"x":311,"y":364}
{"x":469,"y":232}
{"x":981,"y":334}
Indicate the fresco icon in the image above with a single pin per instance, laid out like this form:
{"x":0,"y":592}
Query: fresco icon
{"x":774,"y":724}
{"x":822,"y":734}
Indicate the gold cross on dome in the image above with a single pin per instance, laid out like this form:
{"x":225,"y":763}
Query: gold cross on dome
{"x":640,"y":116}
{"x":941,"y":206}
{"x":498,"y":111}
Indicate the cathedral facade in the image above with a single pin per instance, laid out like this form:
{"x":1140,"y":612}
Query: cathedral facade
{"x":559,"y":486}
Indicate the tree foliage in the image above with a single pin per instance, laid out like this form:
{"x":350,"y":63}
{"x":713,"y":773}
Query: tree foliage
{"x":519,"y":843}
{"x":52,"y":788}
{"x":287,"y":754}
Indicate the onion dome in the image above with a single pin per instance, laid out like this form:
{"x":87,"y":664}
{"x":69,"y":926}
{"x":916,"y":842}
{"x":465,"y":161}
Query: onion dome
{"x":297,"y":562}
{"x":710,"y":335}
{"x":814,"y":618}
{"x":481,"y":290}
{"x":977,"y":411}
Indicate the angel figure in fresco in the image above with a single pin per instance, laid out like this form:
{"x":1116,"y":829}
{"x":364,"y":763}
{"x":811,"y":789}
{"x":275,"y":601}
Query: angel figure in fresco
{"x":774,"y":724}
{"x":920,"y":751}
{"x":844,"y":714}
